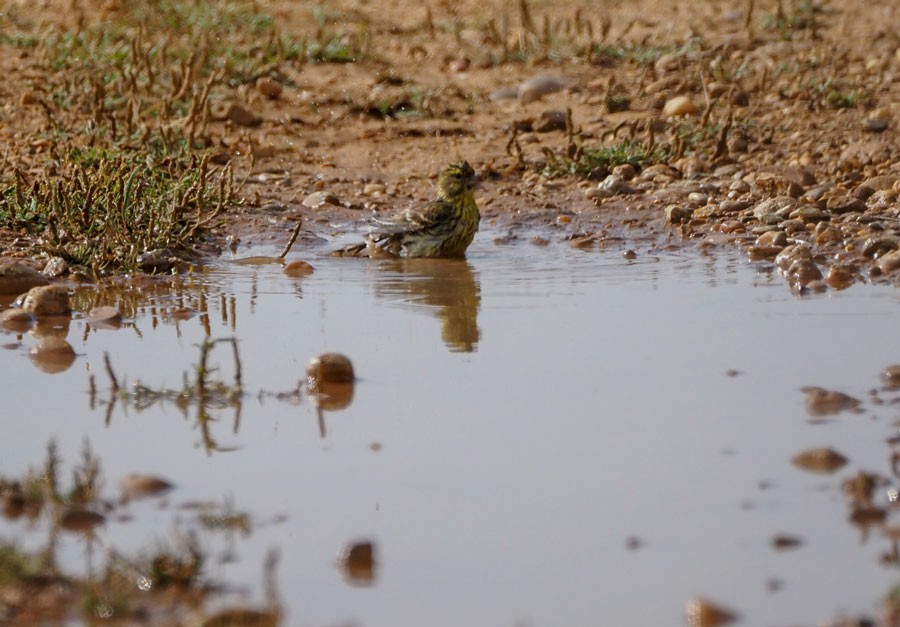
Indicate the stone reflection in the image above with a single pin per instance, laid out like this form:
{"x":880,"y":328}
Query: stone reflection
{"x":329,"y":381}
{"x":447,"y":287}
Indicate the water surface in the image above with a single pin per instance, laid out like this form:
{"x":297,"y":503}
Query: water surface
{"x":538,"y":436}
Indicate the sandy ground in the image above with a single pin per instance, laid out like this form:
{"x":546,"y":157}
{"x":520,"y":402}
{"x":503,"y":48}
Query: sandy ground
{"x":776,"y":124}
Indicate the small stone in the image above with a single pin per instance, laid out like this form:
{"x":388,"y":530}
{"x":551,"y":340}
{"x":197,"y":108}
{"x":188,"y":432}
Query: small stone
{"x":875,"y":126}
{"x":459,"y":65}
{"x":891,"y":376}
{"x":48,"y":300}
{"x":822,"y":402}
{"x":679,"y":105}
{"x":705,"y":613}
{"x":329,"y":368}
{"x":792,"y":253}
{"x":539,"y":86}
{"x":780,"y":205}
{"x":139,"y":486}
{"x":839,"y":278}
{"x":830,"y":235}
{"x":772,"y":238}
{"x":820,"y":460}
{"x":16,"y":278}
{"x":875,"y":247}
{"x":783,"y":542}
{"x":79,"y":519}
{"x":297,"y":269}
{"x":374,"y":189}
{"x":625,"y":171}
{"x":16,"y":320}
{"x":610,"y":186}
{"x":697,"y":199}
{"x":802,"y":272}
{"x":358,"y":562}
{"x":550,"y":121}
{"x":52,"y":354}
{"x":809,"y":213}
{"x":268,"y":87}
{"x":733,"y":206}
{"x":677,"y":214}
{"x":56,"y":267}
{"x":763,"y":253}
{"x":105,"y":317}
{"x":889,"y":261}
{"x":317,"y":199}
{"x":844,"y":203}
{"x":732,"y":226}
{"x":242,"y":116}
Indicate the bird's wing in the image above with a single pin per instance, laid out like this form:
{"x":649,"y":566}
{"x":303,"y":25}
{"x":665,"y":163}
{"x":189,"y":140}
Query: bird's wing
{"x":416,"y":218}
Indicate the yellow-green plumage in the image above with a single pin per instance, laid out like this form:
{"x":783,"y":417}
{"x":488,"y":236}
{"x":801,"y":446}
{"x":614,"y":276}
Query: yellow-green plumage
{"x":443,"y":227}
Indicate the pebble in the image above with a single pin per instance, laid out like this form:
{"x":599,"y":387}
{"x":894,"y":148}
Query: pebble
{"x":16,"y":278}
{"x":698,"y":199}
{"x":56,"y":267}
{"x":136,"y":486}
{"x":16,"y":320}
{"x":889,"y":262}
{"x":626,"y":171}
{"x":802,"y":272}
{"x":298,"y":269}
{"x":374,"y":189}
{"x":678,"y":214}
{"x":242,"y":116}
{"x":542,"y":85}
{"x":105,"y":317}
{"x":781,"y":206}
{"x":891,"y":376}
{"x":809,"y":213}
{"x":610,"y":186}
{"x":158,"y":260}
{"x":79,"y":519}
{"x":358,"y":562}
{"x":763,"y":253}
{"x":329,"y":368}
{"x":317,"y":199}
{"x":824,"y":402}
{"x":48,"y":300}
{"x":877,"y":246}
{"x":783,"y":542}
{"x":772,"y":238}
{"x":829,"y":235}
{"x":269,"y":87}
{"x":844,"y":204}
{"x":679,"y":105}
{"x":791,"y":254}
{"x":550,"y":121}
{"x":839,"y":278}
{"x":52,"y":354}
{"x":705,"y":613}
{"x":820,"y":460}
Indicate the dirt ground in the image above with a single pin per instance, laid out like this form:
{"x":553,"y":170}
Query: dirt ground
{"x":768,"y":126}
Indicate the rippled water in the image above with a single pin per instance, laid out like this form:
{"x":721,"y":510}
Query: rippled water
{"x":539,"y":435}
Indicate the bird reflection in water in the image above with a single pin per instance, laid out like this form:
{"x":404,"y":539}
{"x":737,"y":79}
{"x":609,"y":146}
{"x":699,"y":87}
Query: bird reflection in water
{"x":447,"y":287}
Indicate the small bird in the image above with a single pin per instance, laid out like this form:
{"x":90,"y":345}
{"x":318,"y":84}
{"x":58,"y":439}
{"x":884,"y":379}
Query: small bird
{"x":441,"y":228}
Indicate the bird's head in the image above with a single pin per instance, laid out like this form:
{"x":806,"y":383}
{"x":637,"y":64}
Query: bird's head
{"x":457,"y":178}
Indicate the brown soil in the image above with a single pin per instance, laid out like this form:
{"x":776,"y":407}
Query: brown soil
{"x":798,"y":101}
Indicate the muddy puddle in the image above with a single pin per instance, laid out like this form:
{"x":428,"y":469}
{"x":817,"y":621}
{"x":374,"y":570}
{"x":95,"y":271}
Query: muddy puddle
{"x":537,"y":436}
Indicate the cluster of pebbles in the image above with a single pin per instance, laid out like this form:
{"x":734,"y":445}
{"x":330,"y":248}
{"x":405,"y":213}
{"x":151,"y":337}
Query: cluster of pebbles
{"x":820,"y":235}
{"x":43,"y":309}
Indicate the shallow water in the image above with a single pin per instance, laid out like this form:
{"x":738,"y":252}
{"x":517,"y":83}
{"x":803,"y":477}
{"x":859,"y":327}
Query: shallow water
{"x":519,"y":421}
